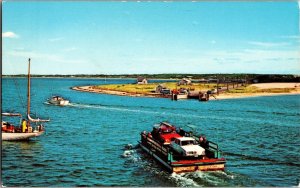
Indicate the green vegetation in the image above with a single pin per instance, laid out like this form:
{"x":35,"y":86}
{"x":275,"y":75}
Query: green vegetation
{"x":129,"y":88}
{"x":261,"y":78}
{"x":148,"y":88}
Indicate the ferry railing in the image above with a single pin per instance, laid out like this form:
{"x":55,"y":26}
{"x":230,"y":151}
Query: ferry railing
{"x":212,"y":147}
{"x":158,"y":149}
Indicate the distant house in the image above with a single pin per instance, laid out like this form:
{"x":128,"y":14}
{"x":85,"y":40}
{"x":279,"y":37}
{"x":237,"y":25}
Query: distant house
{"x":162,"y":89}
{"x":185,"y":81}
{"x":141,"y":80}
{"x":159,"y":88}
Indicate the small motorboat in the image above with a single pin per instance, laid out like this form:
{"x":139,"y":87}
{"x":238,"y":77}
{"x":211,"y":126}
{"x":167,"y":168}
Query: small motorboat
{"x":58,"y":100}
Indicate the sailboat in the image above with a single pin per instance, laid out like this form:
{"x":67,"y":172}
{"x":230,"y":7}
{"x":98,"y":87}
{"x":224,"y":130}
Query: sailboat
{"x":25,"y":131}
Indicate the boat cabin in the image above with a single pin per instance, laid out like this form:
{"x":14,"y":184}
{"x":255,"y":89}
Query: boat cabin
{"x":57,"y":98}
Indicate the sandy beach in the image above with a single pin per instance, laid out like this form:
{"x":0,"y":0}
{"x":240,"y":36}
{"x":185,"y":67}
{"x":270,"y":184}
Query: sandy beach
{"x":218,"y":97}
{"x":263,"y":86}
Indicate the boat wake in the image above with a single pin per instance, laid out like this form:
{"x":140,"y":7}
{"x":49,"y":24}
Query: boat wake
{"x":154,"y":111}
{"x":69,"y":104}
{"x":127,"y":109}
{"x":129,"y":152}
{"x":183,"y":181}
{"x":206,"y":179}
{"x":135,"y":158}
{"x":107,"y":107}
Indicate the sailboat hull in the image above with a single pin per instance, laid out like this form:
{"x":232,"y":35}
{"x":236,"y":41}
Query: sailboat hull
{"x":19,"y":136}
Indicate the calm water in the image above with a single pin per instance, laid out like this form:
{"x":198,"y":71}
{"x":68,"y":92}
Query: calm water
{"x":84,"y":143}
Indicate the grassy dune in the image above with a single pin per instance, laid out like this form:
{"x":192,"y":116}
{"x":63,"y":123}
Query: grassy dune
{"x":148,"y":88}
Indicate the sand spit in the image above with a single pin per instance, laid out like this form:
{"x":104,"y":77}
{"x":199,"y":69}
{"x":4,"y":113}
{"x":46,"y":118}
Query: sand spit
{"x":218,"y":97}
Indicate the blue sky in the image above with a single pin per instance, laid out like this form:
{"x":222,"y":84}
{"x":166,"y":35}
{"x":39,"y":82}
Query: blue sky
{"x":70,"y":37}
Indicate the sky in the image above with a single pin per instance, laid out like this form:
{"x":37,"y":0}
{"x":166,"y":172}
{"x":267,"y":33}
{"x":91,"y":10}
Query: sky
{"x":199,"y":37}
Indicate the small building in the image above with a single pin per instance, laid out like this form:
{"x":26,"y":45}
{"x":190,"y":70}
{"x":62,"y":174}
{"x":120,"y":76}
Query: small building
{"x":159,"y":88}
{"x":162,"y":89}
{"x":141,"y":80}
{"x":185,"y":81}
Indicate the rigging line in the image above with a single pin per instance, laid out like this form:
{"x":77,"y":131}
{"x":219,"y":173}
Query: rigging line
{"x":16,"y":85}
{"x":19,"y":93}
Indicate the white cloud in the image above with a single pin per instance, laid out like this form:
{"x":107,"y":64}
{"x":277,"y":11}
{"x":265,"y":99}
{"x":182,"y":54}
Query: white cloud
{"x":213,"y":42}
{"x":291,"y":37}
{"x":269,"y":44}
{"x":253,"y":61}
{"x":248,"y":55}
{"x":214,"y":61}
{"x":70,"y":49}
{"x":42,"y":56}
{"x":19,"y":49}
{"x":56,"y":39}
{"x":9,"y":34}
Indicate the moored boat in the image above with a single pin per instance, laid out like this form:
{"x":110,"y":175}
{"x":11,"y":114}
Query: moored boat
{"x":181,"y":151}
{"x":25,"y":130}
{"x":178,"y":94}
{"x":58,"y":100}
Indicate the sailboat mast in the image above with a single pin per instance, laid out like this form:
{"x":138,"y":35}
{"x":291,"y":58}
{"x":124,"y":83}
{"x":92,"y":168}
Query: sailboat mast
{"x":28,"y":90}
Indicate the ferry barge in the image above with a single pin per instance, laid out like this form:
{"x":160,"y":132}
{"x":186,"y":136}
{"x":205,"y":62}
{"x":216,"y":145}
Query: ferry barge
{"x":180,"y":151}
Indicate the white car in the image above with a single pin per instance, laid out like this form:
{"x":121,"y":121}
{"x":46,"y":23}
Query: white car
{"x":187,"y":146}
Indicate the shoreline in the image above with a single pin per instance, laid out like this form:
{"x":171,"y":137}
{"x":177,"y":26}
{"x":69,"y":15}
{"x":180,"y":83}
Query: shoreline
{"x":113,"y":92}
{"x":96,"y":78}
{"x":222,"y":96}
{"x":225,"y":96}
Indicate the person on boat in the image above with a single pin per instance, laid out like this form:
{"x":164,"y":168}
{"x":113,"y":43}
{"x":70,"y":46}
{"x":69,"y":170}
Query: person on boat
{"x":175,"y":91}
{"x":24,"y":126}
{"x":203,"y":142}
{"x":181,"y":132}
{"x":4,"y":126}
{"x":10,"y":128}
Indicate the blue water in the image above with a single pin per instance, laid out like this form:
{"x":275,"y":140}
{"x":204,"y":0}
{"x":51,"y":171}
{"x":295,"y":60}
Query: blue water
{"x":84,"y":143}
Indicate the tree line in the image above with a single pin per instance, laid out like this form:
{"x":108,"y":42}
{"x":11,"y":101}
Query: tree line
{"x":260,"y":78}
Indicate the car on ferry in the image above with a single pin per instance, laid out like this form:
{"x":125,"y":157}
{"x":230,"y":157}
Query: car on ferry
{"x":165,"y":133}
{"x":187,"y":146}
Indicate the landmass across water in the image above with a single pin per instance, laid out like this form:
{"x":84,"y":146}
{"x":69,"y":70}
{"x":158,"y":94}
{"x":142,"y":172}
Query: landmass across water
{"x":251,"y":90}
{"x":269,"y":84}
